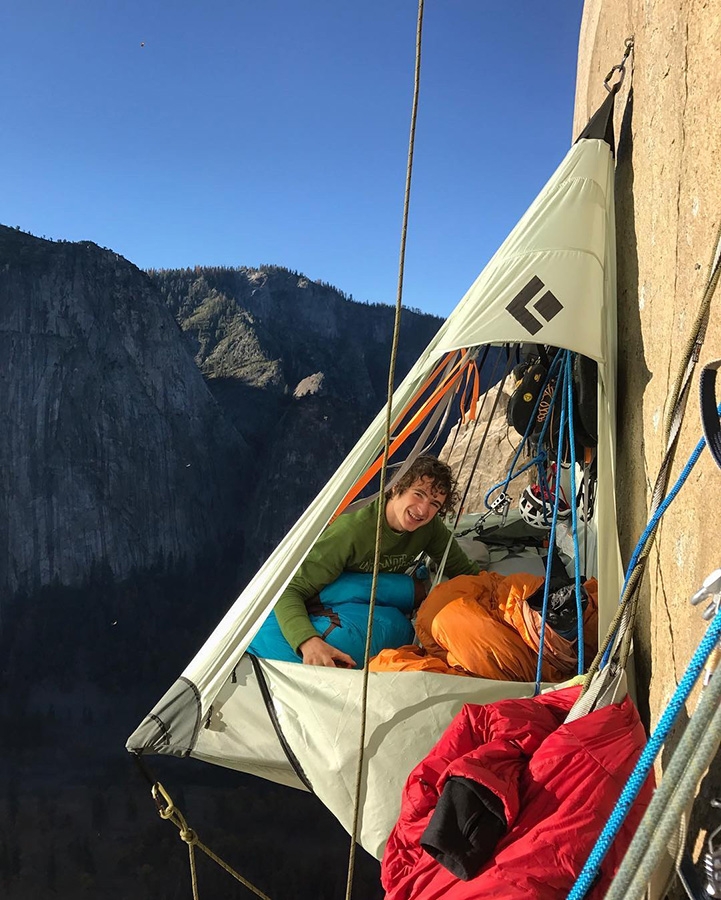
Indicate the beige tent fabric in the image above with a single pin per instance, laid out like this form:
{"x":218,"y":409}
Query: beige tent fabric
{"x":565,"y":244}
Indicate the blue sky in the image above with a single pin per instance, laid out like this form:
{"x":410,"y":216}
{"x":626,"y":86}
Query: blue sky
{"x":275,"y":131}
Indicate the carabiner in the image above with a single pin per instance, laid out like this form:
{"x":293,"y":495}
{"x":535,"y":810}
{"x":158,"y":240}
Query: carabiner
{"x":620,"y":68}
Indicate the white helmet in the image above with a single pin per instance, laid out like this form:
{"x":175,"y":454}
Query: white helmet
{"x":536,"y":507}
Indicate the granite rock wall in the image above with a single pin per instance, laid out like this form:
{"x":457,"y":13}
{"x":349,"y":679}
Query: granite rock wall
{"x":112,"y":447}
{"x":668,"y":211}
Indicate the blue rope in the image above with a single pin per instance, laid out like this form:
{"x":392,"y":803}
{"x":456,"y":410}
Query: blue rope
{"x":652,"y":749}
{"x":540,"y":458}
{"x":537,"y":460}
{"x":668,"y":499}
{"x":547,"y":421}
{"x":574,"y":514}
{"x":542,"y":478}
{"x":645,"y":761}
{"x":552,"y":536}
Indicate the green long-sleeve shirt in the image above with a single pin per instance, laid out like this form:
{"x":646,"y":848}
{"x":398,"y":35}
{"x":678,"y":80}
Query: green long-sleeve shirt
{"x":348,"y":545}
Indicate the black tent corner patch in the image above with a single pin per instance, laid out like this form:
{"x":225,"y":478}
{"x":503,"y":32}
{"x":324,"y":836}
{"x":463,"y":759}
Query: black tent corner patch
{"x":548,"y":305}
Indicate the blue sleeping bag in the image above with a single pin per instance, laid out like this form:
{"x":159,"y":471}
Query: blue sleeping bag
{"x":341,"y":618}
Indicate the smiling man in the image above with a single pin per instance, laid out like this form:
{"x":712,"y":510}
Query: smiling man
{"x":410,"y":527}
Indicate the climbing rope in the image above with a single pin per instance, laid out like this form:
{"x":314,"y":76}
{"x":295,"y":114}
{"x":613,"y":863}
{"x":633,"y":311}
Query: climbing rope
{"x":690,"y":761}
{"x":574,"y":515}
{"x":469,"y":480}
{"x":560,"y":372}
{"x":168,"y":811}
{"x":384,"y":466}
{"x":620,"y":632}
{"x":540,"y":458}
{"x":564,"y":389}
{"x":551,"y":543}
{"x":649,"y":754}
{"x":632,"y":575}
{"x":464,"y":496}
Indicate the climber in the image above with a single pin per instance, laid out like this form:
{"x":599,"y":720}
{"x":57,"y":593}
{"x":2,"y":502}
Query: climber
{"x":303,"y":628}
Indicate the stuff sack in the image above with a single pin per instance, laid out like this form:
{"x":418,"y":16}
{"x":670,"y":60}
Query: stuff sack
{"x":529,"y":379}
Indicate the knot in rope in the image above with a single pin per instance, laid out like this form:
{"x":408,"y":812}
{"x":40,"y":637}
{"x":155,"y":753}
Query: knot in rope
{"x":167,"y":812}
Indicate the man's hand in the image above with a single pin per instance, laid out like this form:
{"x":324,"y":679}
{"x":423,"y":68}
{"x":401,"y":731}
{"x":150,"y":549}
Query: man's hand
{"x":316,"y":652}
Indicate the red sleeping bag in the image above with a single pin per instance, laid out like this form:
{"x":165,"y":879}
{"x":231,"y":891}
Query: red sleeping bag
{"x":511,"y":800}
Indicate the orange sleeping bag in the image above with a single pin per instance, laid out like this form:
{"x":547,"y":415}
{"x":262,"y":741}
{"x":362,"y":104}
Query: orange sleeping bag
{"x":482,"y":625}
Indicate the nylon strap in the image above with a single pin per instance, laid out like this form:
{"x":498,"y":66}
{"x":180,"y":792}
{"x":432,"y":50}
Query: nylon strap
{"x":389,"y":449}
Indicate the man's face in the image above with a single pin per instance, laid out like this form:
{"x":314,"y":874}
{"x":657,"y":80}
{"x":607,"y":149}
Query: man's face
{"x":416,"y":506}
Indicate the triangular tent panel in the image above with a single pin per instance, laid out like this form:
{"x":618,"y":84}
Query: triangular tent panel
{"x":551,"y":282}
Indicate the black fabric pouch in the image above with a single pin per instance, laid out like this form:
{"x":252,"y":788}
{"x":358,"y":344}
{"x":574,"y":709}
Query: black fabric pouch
{"x":467,"y":824}
{"x":562,"y":613}
{"x":529,"y":380}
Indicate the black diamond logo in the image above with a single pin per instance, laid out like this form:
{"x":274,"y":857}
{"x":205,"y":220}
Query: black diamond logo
{"x":548,"y":305}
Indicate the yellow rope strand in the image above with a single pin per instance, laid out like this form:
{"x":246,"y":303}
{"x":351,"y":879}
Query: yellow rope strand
{"x":386,"y":448}
{"x":169,"y":811}
{"x":193,"y":871}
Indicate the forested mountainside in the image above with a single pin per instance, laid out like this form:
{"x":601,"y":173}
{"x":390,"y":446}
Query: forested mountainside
{"x":299,"y":369}
{"x":129,"y":441}
{"x":161,"y":430}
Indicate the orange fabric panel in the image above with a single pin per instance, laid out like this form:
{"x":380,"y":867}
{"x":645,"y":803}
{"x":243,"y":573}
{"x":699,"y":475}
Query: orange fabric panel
{"x":411,"y":658}
{"x":463,"y":620}
{"x":482,"y":624}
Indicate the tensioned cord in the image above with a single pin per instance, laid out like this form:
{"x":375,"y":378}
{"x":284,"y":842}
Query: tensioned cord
{"x":620,"y":632}
{"x":386,"y":448}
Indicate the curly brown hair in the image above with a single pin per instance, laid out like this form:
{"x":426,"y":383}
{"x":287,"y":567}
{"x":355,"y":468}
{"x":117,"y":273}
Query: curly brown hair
{"x":441,"y":476}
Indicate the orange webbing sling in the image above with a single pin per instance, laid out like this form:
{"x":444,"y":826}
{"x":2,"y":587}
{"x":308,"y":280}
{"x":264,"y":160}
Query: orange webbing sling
{"x":451,"y":379}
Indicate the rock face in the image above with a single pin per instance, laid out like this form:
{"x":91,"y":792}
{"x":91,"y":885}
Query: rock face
{"x":298,"y":368}
{"x":112,"y":446}
{"x":312,"y":385}
{"x":668,"y":198}
{"x":500,"y":442}
{"x":129,"y":441}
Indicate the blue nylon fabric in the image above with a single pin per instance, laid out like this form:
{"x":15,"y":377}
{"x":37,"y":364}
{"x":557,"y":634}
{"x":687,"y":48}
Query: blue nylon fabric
{"x":349,"y":596}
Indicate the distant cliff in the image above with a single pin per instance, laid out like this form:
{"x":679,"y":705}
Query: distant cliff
{"x":112,"y":446}
{"x":130,"y":440}
{"x":300,"y":370}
